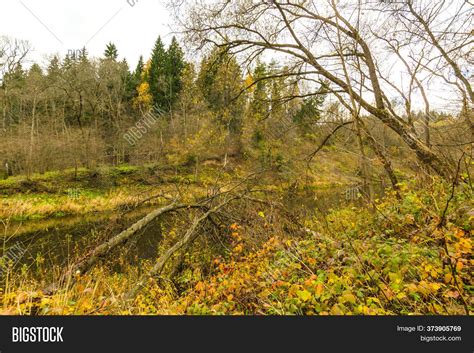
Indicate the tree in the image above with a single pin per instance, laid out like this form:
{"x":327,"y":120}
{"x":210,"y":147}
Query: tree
{"x":111,"y":51}
{"x":137,"y":74}
{"x":144,"y":99}
{"x":173,"y":72}
{"x":157,"y":76}
{"x":307,"y":34}
{"x":259,"y":104}
{"x":309,"y":113}
{"x":34,"y":89}
{"x":12,"y":54}
{"x":83,"y":56}
{"x":220,"y":81}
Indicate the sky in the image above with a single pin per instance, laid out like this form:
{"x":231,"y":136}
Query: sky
{"x":60,"y":26}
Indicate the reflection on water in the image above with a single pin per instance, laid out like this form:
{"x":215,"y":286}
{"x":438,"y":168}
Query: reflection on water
{"x":58,"y":242}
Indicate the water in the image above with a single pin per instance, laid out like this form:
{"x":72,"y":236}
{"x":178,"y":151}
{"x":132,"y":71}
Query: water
{"x":58,"y":242}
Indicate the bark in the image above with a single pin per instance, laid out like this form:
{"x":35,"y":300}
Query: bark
{"x":387,"y":164}
{"x":188,"y":238}
{"x":120,"y":239}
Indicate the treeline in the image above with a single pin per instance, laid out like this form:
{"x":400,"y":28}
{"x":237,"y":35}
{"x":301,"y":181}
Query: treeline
{"x":79,"y":111}
{"x":76,"y":111}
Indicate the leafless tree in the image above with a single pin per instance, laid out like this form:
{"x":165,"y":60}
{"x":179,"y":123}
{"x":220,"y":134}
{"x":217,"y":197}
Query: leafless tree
{"x":305,"y":32}
{"x":12,"y":53}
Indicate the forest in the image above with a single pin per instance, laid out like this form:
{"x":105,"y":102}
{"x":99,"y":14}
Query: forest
{"x":272,"y":158}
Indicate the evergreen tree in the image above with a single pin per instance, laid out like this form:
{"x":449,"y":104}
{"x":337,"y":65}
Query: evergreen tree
{"x":111,"y":51}
{"x":35,"y":70}
{"x":174,"y":68}
{"x":83,"y":56}
{"x":277,"y":86}
{"x":134,"y":80}
{"x":157,"y":75}
{"x":220,"y":81}
{"x":68,"y":62}
{"x":259,"y":105}
{"x":309,"y":113}
{"x":54,"y":67}
{"x":137,"y":74}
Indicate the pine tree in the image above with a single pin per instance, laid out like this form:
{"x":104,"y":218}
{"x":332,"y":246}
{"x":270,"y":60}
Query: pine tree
{"x":157,"y":75}
{"x":174,"y":68}
{"x":111,"y":51}
{"x":134,"y":81}
{"x":83,"y":56}
{"x":35,"y":70}
{"x":137,"y":74}
{"x":259,"y":105}
{"x":68,"y":62}
{"x":54,"y":67}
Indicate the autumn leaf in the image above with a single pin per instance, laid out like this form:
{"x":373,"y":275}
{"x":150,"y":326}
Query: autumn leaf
{"x":304,"y":295}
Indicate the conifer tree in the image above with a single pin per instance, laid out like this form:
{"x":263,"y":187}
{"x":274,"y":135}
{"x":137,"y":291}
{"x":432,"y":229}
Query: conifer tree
{"x":54,"y":68}
{"x":220,"y":81}
{"x":259,"y":105}
{"x":137,"y":74}
{"x":111,"y":51}
{"x":83,"y":56}
{"x":174,"y":68}
{"x":157,"y":75}
{"x":134,"y":80}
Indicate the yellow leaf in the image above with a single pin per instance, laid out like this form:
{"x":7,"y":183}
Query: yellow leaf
{"x":336,"y":310}
{"x":448,"y":278}
{"x":401,"y":296}
{"x":435,"y":287}
{"x":349,"y":298}
{"x":304,"y":295}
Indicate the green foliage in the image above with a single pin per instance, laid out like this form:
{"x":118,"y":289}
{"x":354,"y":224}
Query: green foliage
{"x":165,"y":74}
{"x":309,"y":113}
{"x":347,"y":266}
{"x":175,"y":65}
{"x":111,"y":52}
{"x":220,"y":81}
{"x":260,"y":103}
{"x":157,"y":75}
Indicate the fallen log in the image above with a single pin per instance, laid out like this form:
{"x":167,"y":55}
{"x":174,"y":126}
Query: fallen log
{"x":188,"y":238}
{"x":103,"y":249}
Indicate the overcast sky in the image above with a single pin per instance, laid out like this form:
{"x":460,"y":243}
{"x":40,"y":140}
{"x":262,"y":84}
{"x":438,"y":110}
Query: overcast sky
{"x":56,"y":26}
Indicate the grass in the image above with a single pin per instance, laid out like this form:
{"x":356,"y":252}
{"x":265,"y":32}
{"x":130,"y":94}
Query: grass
{"x":353,"y":261}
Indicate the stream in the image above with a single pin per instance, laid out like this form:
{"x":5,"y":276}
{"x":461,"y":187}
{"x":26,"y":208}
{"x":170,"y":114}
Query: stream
{"x":42,"y":244}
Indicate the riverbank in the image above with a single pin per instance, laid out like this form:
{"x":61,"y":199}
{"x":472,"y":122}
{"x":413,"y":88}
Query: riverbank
{"x":385,"y":259}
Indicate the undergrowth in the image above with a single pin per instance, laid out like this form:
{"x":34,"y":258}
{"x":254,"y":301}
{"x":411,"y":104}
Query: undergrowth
{"x":391,"y":257}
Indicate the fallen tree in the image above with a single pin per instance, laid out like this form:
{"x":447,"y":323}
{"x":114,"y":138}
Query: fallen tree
{"x":189,"y":237}
{"x":120,"y":239}
{"x":205,"y":208}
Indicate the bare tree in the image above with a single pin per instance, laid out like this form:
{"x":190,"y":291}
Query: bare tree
{"x":305,"y":32}
{"x":12,"y":53}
